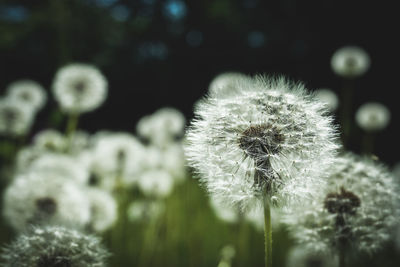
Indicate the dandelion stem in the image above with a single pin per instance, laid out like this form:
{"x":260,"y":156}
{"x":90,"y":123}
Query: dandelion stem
{"x":267,"y":232}
{"x":72,"y":124}
{"x":342,"y":257}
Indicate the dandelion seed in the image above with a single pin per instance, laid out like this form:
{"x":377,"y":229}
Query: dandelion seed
{"x":350,"y":61}
{"x":356,"y":210}
{"x":42,"y":198}
{"x":269,"y":138}
{"x":15,"y":118}
{"x":55,"y":246}
{"x":28,"y":92}
{"x":372,"y":117}
{"x":79,"y":88}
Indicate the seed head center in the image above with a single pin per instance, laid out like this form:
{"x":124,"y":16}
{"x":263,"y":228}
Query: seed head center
{"x":344,"y":202}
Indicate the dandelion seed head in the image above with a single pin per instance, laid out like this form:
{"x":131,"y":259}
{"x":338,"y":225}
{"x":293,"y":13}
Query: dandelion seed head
{"x":156,"y":183}
{"x":27,"y":92}
{"x":162,"y":127}
{"x":50,"y":140}
{"x":350,"y":61}
{"x":60,"y":165}
{"x":117,"y":154}
{"x":373,"y":117}
{"x":357,"y":208}
{"x":329,"y":97}
{"x":41,"y":198}
{"x":103,"y":209}
{"x":79,"y":88}
{"x":270,"y":137}
{"x":224,"y":84}
{"x":54,"y":246}
{"x":16,"y":118}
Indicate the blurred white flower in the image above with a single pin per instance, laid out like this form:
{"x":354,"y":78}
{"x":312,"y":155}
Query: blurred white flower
{"x":358,"y":209}
{"x":329,"y":97}
{"x":16,"y":118}
{"x":79,"y":88}
{"x":50,"y":140}
{"x":60,"y":166}
{"x":162,"y":127}
{"x":28,"y":92}
{"x":271,"y":137}
{"x":372,"y":117}
{"x":103,"y":209}
{"x":173,"y":160}
{"x":301,"y":257}
{"x":156,"y":183}
{"x":117,"y":155}
{"x":41,"y":198}
{"x":350,"y":61}
{"x":145,"y":210}
{"x":54,"y":246}
{"x":225,"y":84}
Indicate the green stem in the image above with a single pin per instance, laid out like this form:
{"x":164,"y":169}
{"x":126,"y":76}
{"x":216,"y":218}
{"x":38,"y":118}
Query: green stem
{"x":72,"y":124}
{"x":267,"y":232}
{"x":368,"y":143}
{"x":342,"y":257}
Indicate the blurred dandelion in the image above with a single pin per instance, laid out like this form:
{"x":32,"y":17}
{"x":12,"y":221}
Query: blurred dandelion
{"x":372,"y":117}
{"x":103,"y":209}
{"x":44,"y":198}
{"x":329,"y":97}
{"x":28,"y":92}
{"x":16,"y":118}
{"x":55,"y":246}
{"x":356,"y":212}
{"x":350,"y":62}
{"x":79,"y":88}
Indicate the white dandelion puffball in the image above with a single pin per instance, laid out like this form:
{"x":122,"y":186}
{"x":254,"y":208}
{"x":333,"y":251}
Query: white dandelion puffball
{"x":301,"y":257}
{"x":55,"y":246}
{"x":358,"y":208}
{"x":224,"y":84}
{"x":40,"y":198}
{"x":162,"y":127}
{"x":156,"y":183}
{"x":50,"y":140}
{"x":60,"y":166}
{"x":16,"y":118}
{"x":350,"y":61}
{"x":372,"y":117}
{"x":117,"y":154}
{"x":146,"y":210}
{"x":103,"y":209}
{"x":270,"y":138}
{"x":79,"y":88}
{"x":329,"y":97}
{"x":28,"y":92}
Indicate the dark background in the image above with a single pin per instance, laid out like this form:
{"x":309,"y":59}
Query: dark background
{"x":165,"y":53}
